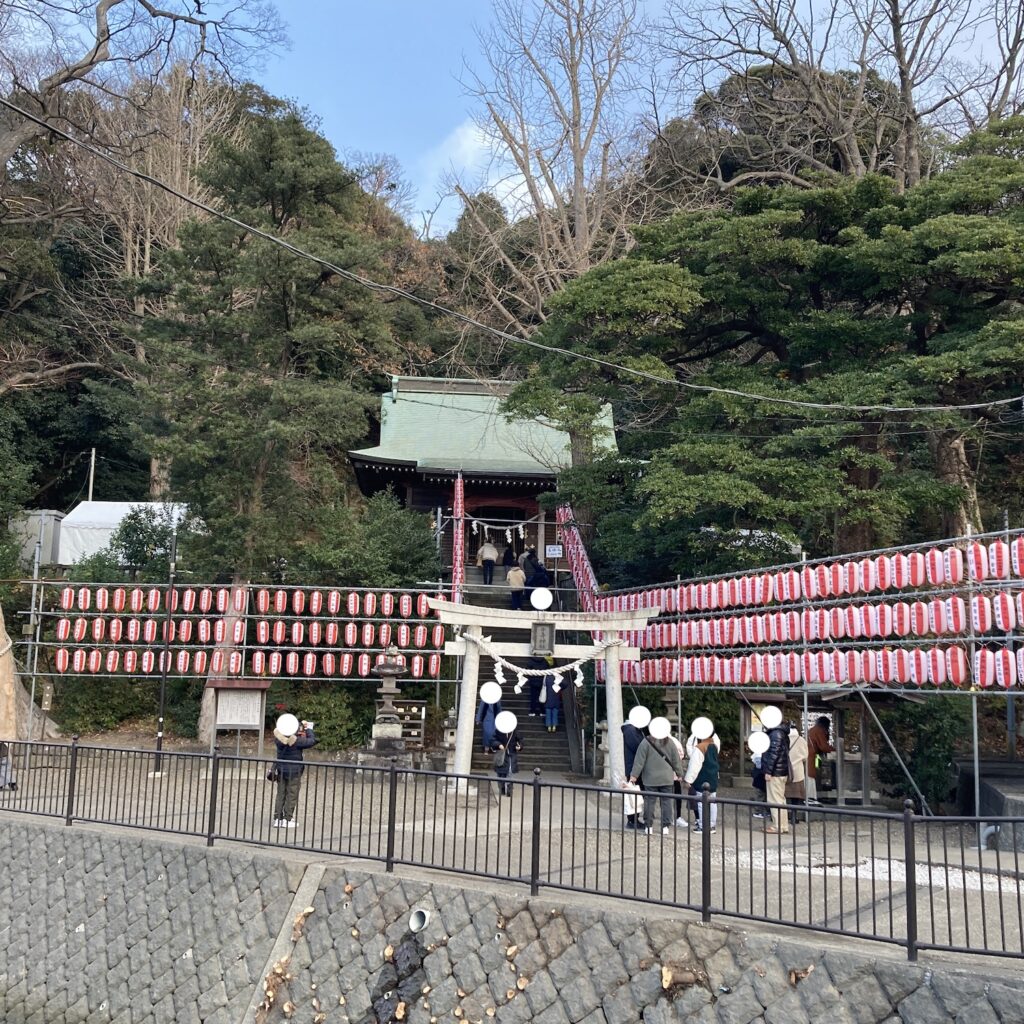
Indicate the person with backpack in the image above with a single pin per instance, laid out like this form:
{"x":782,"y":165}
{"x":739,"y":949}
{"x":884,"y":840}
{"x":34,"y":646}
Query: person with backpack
{"x":775,"y":765}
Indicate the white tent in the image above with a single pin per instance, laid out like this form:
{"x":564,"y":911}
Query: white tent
{"x":88,"y":527}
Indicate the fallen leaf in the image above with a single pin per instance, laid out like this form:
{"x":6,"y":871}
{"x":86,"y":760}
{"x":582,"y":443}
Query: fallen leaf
{"x":511,"y":951}
{"x":796,"y":976}
{"x":400,"y":1011}
{"x":425,"y":989}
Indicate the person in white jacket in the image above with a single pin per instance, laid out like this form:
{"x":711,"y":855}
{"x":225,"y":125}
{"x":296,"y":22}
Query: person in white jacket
{"x":691,"y":742}
{"x":702,"y":768}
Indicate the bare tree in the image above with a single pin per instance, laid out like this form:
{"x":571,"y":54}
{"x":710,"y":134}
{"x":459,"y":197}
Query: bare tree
{"x":93,"y":45}
{"x":844,"y":87}
{"x":553,"y":108}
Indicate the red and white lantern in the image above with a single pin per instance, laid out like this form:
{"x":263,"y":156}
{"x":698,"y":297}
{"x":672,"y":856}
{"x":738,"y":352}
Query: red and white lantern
{"x":316,"y":631}
{"x":298,"y":633}
{"x":984,"y":668}
{"x":854,"y":615}
{"x":316,"y":603}
{"x":64,"y":629}
{"x":149,"y":631}
{"x":98,"y":629}
{"x":205,"y":600}
{"x":370,"y":604}
{"x":95,"y":661}
{"x":808,"y":583}
{"x":837,"y":666}
{"x":901,"y":621}
{"x":81,"y":628}
{"x":999,"y":559}
{"x":181,"y":663}
{"x":938,"y":672}
{"x":422,"y":608}
{"x":259,"y":663}
{"x":136,"y":600}
{"x":956,"y":665}
{"x":901,"y":667}
{"x":203,"y":630}
{"x":199,"y":663}
{"x":185,"y":631}
{"x":937,"y":617}
{"x":280,"y":601}
{"x":956,"y":614}
{"x":919,"y":618}
{"x":331,"y":634}
{"x":954,"y":565}
{"x":78,"y":660}
{"x":102,"y":599}
{"x":368,"y":634}
{"x":263,"y":601}
{"x":883,"y":572}
{"x":291,"y":663}
{"x":120,"y":600}
{"x":333,"y":602}
{"x":918,"y":666}
{"x":822,"y":581}
{"x":977,"y":560}
{"x":113,"y":662}
{"x":148,"y":662}
{"x":153,"y":600}
{"x":309,"y":664}
{"x":351,"y":634}
{"x":935,"y":563}
{"x":280,"y":631}
{"x":1006,"y":668}
{"x":364,"y":665}
{"x":67,"y":598}
{"x":404,"y":635}
{"x":387,"y":605}
{"x":328,"y":664}
{"x":868,"y":575}
{"x":420,"y":636}
{"x":981,"y":613}
{"x":223,"y":599}
{"x":298,"y":601}
{"x":84,"y":598}
{"x":900,"y":566}
{"x":836,"y":622}
{"x":1017,"y":556}
{"x":1004,"y":611}
{"x":852,"y":577}
{"x":837,"y":579}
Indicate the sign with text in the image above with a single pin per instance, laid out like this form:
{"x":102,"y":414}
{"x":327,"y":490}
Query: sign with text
{"x":554,"y":551}
{"x":239,"y":709}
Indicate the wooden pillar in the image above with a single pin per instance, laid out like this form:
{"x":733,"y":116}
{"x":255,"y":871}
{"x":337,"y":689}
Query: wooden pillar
{"x":613,"y":712}
{"x":541,"y":535}
{"x":467,"y":704}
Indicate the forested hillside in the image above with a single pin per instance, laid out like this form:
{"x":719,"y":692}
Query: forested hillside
{"x":709,"y":202}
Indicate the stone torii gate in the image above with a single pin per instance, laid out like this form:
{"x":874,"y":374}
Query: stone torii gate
{"x":474,"y":620}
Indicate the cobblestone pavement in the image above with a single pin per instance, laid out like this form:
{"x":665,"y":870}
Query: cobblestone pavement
{"x":844,"y":873}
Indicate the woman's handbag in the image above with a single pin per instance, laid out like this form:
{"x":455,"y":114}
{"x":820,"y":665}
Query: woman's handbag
{"x":499,"y":757}
{"x":543,"y":694}
{"x":273,"y":774}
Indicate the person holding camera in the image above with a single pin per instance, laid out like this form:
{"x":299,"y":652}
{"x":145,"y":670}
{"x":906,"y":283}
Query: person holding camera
{"x":291,"y":737}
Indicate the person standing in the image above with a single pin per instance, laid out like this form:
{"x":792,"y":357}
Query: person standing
{"x":818,"y":746}
{"x":552,"y":703}
{"x":703,"y":769}
{"x":795,"y":792}
{"x":633,"y":735}
{"x":485,"y":717}
{"x":516,"y":579}
{"x":657,"y":761}
{"x":508,"y":559}
{"x":536,"y":686}
{"x":507,"y":746}
{"x":291,"y":738}
{"x":775,"y":765}
{"x":488,"y":557}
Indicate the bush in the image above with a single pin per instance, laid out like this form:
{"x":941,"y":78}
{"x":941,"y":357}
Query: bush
{"x":82,"y":705}
{"x":928,"y":737}
{"x":343,"y":713}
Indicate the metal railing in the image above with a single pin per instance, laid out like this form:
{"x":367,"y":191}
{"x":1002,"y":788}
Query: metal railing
{"x":919,"y":883}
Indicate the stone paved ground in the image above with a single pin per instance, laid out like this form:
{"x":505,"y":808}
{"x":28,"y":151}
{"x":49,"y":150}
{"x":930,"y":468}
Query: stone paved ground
{"x":843,"y":873}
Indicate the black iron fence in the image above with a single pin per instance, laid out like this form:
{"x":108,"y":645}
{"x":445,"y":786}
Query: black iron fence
{"x":915,"y":882}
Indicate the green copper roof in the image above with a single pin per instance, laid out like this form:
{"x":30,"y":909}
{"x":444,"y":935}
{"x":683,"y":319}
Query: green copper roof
{"x":451,"y":425}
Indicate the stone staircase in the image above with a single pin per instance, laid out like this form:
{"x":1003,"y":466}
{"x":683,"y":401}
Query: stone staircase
{"x":541,"y":749}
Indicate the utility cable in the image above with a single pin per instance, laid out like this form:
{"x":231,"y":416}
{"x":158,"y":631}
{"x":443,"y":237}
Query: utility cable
{"x":464,"y":318}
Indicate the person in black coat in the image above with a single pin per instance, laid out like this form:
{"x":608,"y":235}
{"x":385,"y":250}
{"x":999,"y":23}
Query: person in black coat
{"x":291,"y":738}
{"x":632,"y":737}
{"x":775,"y":765}
{"x":508,"y":559}
{"x":509,"y":744}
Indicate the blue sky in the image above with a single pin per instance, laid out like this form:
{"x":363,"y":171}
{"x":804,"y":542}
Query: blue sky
{"x":383,"y":77}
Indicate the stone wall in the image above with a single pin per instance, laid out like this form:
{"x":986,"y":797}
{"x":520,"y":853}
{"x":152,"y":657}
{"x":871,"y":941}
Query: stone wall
{"x":111,"y":927}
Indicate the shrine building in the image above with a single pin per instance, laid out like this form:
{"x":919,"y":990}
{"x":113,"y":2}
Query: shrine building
{"x":432,"y":429}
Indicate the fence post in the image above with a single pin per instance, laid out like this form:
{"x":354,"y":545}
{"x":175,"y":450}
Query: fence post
{"x":535,"y":837}
{"x":389,"y":863}
{"x":705,"y":849}
{"x":910,"y":869}
{"x":211,"y":823}
{"x":69,"y":802}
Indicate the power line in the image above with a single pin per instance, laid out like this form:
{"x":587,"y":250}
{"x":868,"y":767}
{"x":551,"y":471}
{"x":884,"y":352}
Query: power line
{"x":393,"y":290}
